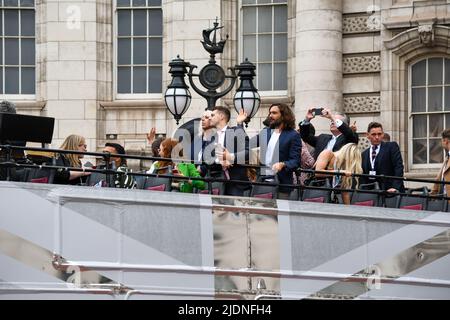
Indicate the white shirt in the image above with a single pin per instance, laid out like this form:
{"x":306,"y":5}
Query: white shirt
{"x":332,"y":142}
{"x":221,"y":142}
{"x":444,"y":168}
{"x":221,"y":136}
{"x":205,"y":136}
{"x":200,"y":153}
{"x":270,"y":151}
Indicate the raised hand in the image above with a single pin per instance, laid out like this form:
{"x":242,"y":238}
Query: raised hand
{"x":309,"y":114}
{"x":241,"y":117}
{"x":326,"y":113}
{"x":151,"y":135}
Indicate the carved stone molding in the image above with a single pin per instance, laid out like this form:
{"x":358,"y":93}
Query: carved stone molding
{"x":363,"y":143}
{"x":361,"y":24}
{"x":30,"y":105}
{"x":426,"y":35}
{"x":127,"y":105}
{"x":361,"y":104}
{"x":362,"y":64}
{"x":412,"y":39}
{"x":265,"y":101}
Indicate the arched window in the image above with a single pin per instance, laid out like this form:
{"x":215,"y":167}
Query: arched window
{"x":430,"y":109}
{"x":139,"y":48}
{"x":264,"y":41}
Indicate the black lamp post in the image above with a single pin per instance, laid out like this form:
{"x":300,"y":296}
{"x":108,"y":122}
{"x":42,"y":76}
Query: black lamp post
{"x":211,"y":77}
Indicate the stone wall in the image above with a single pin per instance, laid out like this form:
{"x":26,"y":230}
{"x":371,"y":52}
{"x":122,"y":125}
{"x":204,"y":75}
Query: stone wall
{"x":361,"y":62}
{"x":347,"y":55}
{"x":66,"y":59}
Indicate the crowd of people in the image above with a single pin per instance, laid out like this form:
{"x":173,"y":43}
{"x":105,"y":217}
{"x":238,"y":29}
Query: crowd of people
{"x":222,"y":151}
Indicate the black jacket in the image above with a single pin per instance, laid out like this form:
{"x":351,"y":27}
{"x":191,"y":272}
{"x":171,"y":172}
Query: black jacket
{"x":63,"y":176}
{"x":16,"y":155}
{"x":320,"y":142}
{"x":237,"y":142}
{"x":388,"y":162}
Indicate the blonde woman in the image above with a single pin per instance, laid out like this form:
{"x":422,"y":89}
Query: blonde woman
{"x":73,"y":143}
{"x":346,"y":161}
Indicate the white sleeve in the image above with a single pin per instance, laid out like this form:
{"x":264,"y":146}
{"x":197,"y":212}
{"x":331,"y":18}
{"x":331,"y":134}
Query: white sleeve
{"x":304,"y":122}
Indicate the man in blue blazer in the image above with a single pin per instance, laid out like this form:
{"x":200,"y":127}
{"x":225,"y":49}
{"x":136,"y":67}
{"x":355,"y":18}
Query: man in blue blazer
{"x":280,"y":145}
{"x":382,"y":158}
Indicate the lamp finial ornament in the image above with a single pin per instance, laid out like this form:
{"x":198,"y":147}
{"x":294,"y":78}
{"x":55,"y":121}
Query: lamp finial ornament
{"x":211,"y":45}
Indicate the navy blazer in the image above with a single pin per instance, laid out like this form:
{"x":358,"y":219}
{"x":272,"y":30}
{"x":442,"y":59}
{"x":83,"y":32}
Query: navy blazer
{"x":289,"y":151}
{"x":388,"y":162}
{"x":320,"y":142}
{"x":197,"y":144}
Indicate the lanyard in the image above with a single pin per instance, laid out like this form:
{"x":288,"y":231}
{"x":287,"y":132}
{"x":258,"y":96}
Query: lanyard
{"x":372,"y":161}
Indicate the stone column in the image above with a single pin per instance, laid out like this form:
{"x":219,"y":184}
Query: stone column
{"x":318,"y":58}
{"x":66,"y":67}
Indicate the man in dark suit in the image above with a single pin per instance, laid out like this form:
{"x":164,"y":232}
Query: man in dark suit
{"x":225,"y":152}
{"x":280,"y":145}
{"x":382,"y":158}
{"x":341,"y":133}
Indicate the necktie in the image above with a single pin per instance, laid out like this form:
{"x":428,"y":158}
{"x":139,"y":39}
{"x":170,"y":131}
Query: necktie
{"x":374,"y":152}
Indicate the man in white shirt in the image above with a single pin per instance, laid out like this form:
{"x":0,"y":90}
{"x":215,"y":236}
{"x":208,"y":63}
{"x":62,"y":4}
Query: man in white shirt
{"x":280,"y":146}
{"x":272,"y":149}
{"x":230,"y":150}
{"x":341,"y":133}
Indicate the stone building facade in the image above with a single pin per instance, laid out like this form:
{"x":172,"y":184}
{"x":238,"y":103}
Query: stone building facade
{"x":101,"y":66}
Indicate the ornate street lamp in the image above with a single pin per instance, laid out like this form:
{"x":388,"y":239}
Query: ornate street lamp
{"x":211,"y":77}
{"x":247,"y":97}
{"x":177,"y":96}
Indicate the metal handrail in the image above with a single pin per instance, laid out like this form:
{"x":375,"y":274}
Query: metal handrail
{"x":108,"y":171}
{"x":58,"y":290}
{"x":110,"y":155}
{"x":247,"y":272}
{"x":209,"y":179}
{"x":185,"y":294}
